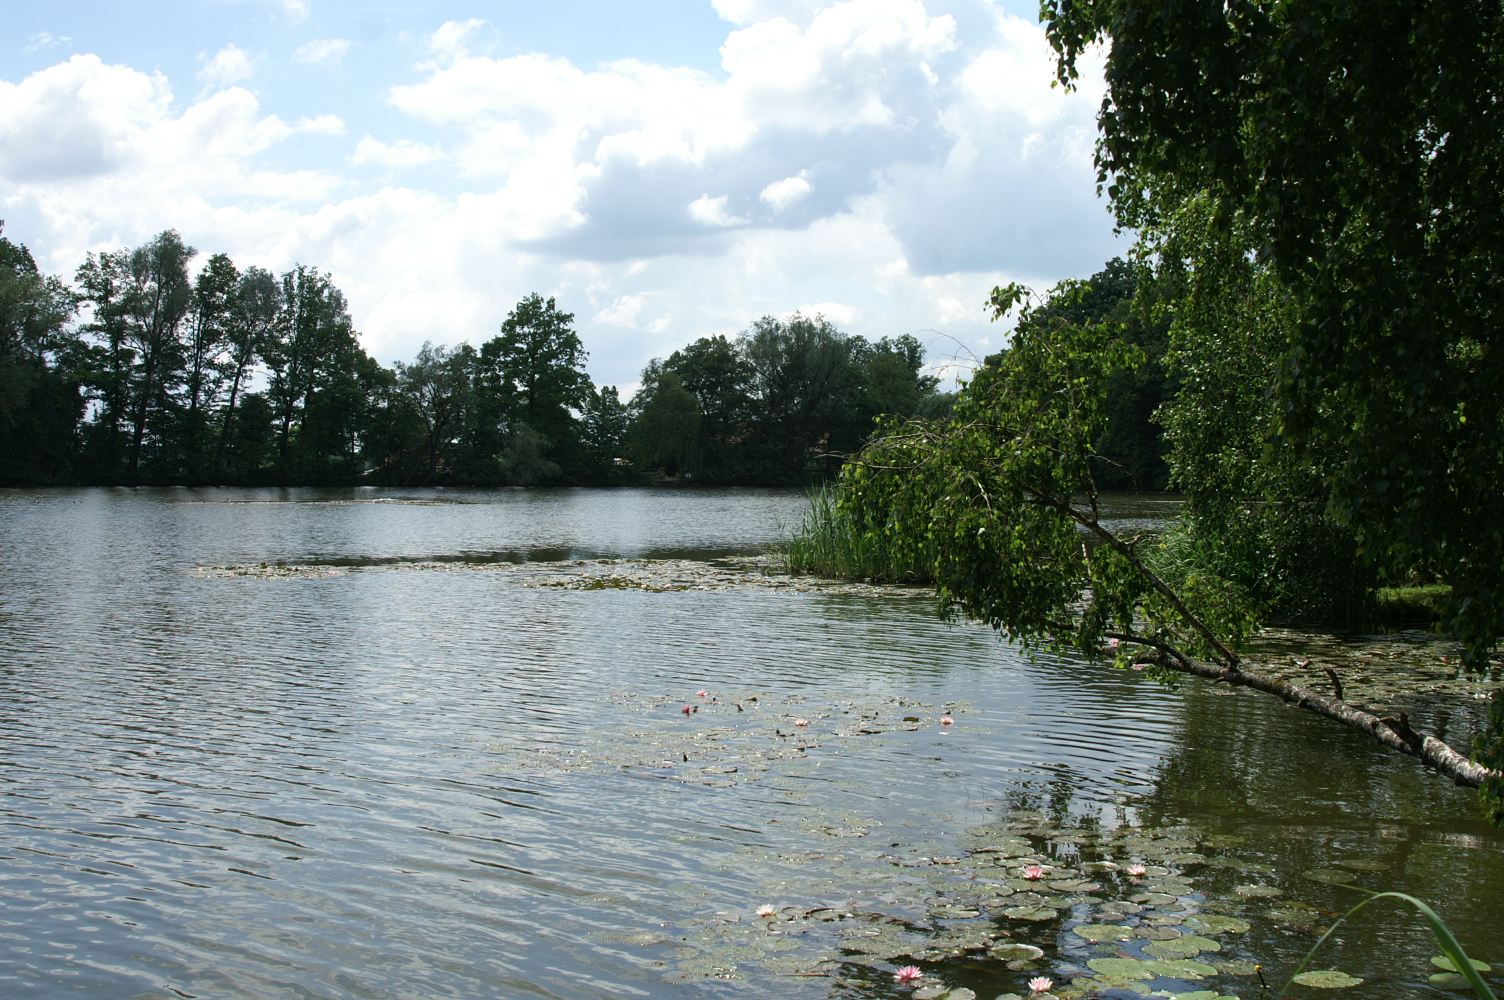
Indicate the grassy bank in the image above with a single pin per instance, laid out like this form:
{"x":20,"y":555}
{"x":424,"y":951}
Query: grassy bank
{"x":828,"y":545}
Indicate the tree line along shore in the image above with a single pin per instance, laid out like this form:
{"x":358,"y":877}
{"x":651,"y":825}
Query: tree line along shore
{"x":141,"y":372}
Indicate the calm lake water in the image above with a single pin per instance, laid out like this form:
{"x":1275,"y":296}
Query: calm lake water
{"x":391,"y":780}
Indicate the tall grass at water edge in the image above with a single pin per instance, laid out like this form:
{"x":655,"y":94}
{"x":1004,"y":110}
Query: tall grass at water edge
{"x":828,"y":544}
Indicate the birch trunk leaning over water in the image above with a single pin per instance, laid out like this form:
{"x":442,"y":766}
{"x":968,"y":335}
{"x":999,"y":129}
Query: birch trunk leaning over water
{"x":999,"y":503}
{"x":1396,"y":734}
{"x":1393,"y":733}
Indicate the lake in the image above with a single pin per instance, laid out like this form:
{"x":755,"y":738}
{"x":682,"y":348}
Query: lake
{"x":442,"y":743}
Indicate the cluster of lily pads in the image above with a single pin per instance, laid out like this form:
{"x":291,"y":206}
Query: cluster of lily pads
{"x":647,"y":575}
{"x":1027,"y":903}
{"x":1413,"y":671}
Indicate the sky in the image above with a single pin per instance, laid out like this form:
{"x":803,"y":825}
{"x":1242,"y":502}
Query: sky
{"x":665,"y":169}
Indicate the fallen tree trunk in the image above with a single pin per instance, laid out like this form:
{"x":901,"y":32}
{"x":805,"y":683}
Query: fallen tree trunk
{"x":1393,"y":733}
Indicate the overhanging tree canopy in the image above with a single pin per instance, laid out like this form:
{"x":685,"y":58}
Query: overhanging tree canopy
{"x":1361,"y":144}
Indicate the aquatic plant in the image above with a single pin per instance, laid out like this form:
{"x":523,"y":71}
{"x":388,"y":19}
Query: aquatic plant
{"x":827,"y":544}
{"x":908,"y":974}
{"x":1456,"y":958}
{"x":1040,"y":984}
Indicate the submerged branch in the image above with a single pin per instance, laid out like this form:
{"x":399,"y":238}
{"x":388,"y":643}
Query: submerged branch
{"x":1393,"y":733}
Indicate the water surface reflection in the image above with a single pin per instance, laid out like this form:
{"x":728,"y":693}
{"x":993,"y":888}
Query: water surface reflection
{"x":443,"y":784}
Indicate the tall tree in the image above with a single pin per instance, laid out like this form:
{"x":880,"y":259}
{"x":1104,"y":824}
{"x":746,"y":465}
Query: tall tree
{"x":254,"y":313}
{"x":803,"y":379}
{"x":534,"y":373}
{"x":438,"y":387}
{"x":666,"y":430}
{"x":604,"y":429}
{"x":208,"y":342}
{"x":141,"y":298}
{"x":313,"y":358}
{"x":40,"y":401}
{"x":719,"y":376}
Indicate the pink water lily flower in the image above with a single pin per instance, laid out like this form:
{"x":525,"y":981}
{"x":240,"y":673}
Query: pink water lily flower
{"x":766,"y":910}
{"x":686,"y":709}
{"x":1040,"y":984}
{"x":946,"y":720}
{"x":1111,"y":644}
{"x":1033,"y":872}
{"x":1136,"y":869}
{"x":908,"y":974}
{"x":801,"y":722}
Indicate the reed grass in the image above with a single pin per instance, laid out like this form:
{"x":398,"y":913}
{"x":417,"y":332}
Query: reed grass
{"x":1439,"y":930}
{"x":828,"y":544}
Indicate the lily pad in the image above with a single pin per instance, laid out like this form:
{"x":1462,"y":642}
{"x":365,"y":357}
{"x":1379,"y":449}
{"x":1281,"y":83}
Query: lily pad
{"x":1364,"y":865}
{"x":1120,"y":906}
{"x":1293,"y":917}
{"x":1152,"y":898}
{"x":1014,"y":949}
{"x":1186,"y":946}
{"x":932,"y":992}
{"x":1448,"y":981}
{"x":1257,"y":891}
{"x":954,"y":912}
{"x":1215,"y":923}
{"x":1157,"y":933}
{"x":1328,"y":979}
{"x":1445,"y":964}
{"x":1330,"y":876}
{"x":1180,"y":968}
{"x":1121,"y":968}
{"x":1237,"y":967}
{"x":1032,"y":913}
{"x":1103,"y":932}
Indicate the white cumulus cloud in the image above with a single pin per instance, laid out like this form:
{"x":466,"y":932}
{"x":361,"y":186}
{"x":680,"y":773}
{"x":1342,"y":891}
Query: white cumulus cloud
{"x":231,"y":64}
{"x":779,"y":195}
{"x":708,"y":211}
{"x":883,"y":161}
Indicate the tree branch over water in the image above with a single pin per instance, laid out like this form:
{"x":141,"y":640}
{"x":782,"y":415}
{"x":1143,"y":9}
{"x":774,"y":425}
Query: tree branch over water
{"x":1000,"y":504}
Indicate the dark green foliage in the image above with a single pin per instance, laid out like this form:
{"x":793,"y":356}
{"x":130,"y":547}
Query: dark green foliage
{"x":1258,"y":508}
{"x":1362,"y":145}
{"x":438,"y":390}
{"x":1131,"y":449}
{"x":320,"y":383}
{"x":666,"y":430}
{"x":40,"y":399}
{"x":992,"y":501}
{"x":714,"y":370}
{"x":245,"y":377}
{"x":782,"y":404}
{"x":604,"y":429}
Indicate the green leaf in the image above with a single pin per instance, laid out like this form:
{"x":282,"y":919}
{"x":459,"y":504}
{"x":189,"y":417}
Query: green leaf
{"x":1328,"y":979}
{"x":1103,"y":932}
